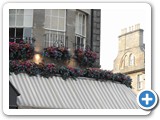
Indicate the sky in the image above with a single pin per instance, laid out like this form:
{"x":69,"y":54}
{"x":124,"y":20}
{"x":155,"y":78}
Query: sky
{"x":116,"y":17}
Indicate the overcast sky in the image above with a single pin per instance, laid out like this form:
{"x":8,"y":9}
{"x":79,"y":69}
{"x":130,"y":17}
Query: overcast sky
{"x":116,"y":17}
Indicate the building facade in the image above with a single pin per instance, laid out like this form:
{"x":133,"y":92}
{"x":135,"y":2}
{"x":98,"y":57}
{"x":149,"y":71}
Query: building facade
{"x":72,"y":28}
{"x":131,"y":56}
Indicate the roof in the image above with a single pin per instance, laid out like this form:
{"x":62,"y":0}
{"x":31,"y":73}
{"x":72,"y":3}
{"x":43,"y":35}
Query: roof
{"x":82,"y":93}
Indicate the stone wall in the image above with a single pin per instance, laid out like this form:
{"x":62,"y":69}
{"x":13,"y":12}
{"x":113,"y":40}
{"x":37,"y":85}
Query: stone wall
{"x":95,"y":32}
{"x":131,"y":42}
{"x":38,"y":28}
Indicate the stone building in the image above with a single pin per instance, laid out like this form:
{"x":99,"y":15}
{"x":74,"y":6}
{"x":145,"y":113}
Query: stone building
{"x":131,"y":56}
{"x":72,"y":28}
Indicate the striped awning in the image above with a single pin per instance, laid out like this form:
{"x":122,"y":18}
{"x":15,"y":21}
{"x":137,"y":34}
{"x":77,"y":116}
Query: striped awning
{"x":82,"y":93}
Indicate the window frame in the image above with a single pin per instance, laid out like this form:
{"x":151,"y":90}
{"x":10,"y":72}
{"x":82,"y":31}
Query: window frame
{"x":83,"y":26}
{"x":139,"y":82}
{"x":58,"y":20}
{"x":24,"y":15}
{"x":49,"y":31}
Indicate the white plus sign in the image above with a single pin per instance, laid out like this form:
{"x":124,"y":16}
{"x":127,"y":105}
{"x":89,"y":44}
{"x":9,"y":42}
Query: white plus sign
{"x":147,"y":99}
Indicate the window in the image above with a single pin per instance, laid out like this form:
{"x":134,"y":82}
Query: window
{"x":20,"y":18}
{"x":15,"y":34}
{"x":80,"y":30}
{"x":126,"y":60}
{"x":20,"y":24}
{"x":54,"y":38}
{"x":140,"y":82}
{"x":122,"y":64}
{"x":55,"y":26}
{"x":131,"y":60}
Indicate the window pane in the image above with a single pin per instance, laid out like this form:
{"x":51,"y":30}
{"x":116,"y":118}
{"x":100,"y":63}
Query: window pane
{"x":78,"y":42}
{"x":19,"y":21}
{"x":12,"y":11}
{"x":11,"y":20}
{"x":28,"y":21}
{"x":19,"y":34}
{"x":28,"y":12}
{"x":47,"y":22}
{"x":62,"y":13}
{"x":54,"y":23}
{"x":126,"y":61}
{"x":20,"y":11}
{"x":61,"y":24}
{"x":55,"y":12}
{"x":61,"y":38}
{"x":80,"y":18}
{"x":77,"y":19}
{"x":27,"y":32}
{"x":11,"y":34}
{"x":83,"y":26}
{"x":47,"y":12}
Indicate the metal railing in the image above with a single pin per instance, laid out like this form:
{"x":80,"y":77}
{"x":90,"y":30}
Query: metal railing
{"x":29,"y":40}
{"x":55,"y":40}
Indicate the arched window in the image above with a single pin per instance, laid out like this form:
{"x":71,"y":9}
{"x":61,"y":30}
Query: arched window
{"x":126,"y":60}
{"x":122,"y":64}
{"x":131,"y":60}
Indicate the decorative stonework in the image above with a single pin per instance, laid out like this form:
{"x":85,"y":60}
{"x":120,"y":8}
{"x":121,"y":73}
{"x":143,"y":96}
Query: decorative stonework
{"x":131,"y":43}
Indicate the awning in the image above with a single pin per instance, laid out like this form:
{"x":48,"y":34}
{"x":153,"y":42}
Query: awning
{"x":82,"y":93}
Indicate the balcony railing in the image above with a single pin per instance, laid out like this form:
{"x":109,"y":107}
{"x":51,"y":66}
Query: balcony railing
{"x":55,"y":40}
{"x":29,"y":40}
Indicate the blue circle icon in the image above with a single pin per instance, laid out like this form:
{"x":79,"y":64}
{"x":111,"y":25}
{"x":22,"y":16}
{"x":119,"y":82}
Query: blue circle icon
{"x":147,"y":99}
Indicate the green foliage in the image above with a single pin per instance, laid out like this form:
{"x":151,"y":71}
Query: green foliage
{"x":57,"y":53}
{"x":85,"y":57}
{"x":50,"y":70}
{"x":21,"y":50}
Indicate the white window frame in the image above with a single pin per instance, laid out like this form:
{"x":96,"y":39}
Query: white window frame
{"x":49,"y":31}
{"x":140,"y":82}
{"x":24,"y":25}
{"x":49,"y":38}
{"x":58,"y":21}
{"x":77,"y":25}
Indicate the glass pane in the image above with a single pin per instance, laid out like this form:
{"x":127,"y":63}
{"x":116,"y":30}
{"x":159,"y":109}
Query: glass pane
{"x":11,"y":20}
{"x":28,"y":21}
{"x":55,"y":12}
{"x":80,"y":29}
{"x":54,"y":23}
{"x":80,"y":18}
{"x":61,"y":13}
{"x":83,"y":26}
{"x":47,"y":21}
{"x":19,"y":34}
{"x":27,"y":32}
{"x":78,"y":41}
{"x":19,"y":21}
{"x":61,"y":38}
{"x":20,"y":11}
{"x":77,"y":24}
{"x":28,"y":12}
{"x":12,"y":11}
{"x":83,"y":30}
{"x":61,"y":24}
{"x":11,"y":34}
{"x":47,"y":12}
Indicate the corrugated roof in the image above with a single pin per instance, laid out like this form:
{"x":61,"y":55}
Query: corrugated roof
{"x":83,"y":93}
